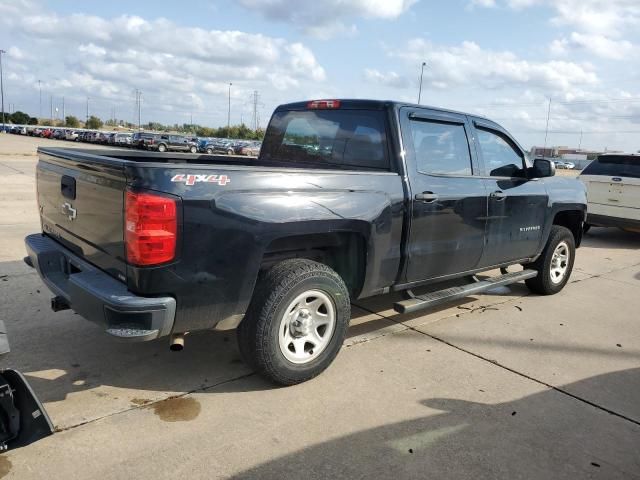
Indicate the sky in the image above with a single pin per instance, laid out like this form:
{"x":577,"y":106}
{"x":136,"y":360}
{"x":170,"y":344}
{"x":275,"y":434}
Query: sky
{"x":505,"y":59}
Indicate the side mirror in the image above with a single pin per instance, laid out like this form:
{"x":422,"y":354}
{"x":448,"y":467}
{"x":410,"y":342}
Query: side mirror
{"x":543,"y":168}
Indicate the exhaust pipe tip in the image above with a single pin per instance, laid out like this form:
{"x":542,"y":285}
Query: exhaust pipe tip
{"x":176,"y":344}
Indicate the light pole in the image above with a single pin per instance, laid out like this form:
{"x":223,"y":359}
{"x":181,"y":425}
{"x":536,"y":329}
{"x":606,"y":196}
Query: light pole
{"x":229,"y":114}
{"x":87,"y":121}
{"x":40,"y":105}
{"x":2,"y":88}
{"x":424,"y":64}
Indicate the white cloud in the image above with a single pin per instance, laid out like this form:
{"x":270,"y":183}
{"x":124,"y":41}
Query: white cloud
{"x":610,"y":17}
{"x":107,"y":58}
{"x":389,"y":79}
{"x":595,"y":44}
{"x":469,"y":64}
{"x":483,"y":3}
{"x":325,"y":19}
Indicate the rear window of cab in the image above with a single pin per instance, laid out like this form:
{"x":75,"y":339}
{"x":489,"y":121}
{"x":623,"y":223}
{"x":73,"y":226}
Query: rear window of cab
{"x":615,"y":166}
{"x":350,"y":139}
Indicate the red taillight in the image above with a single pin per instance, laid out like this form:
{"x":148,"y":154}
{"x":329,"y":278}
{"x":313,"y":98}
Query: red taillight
{"x":150,"y":228}
{"x":323,"y":104}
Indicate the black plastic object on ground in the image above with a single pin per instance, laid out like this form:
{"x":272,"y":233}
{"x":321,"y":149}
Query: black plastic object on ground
{"x":23,"y":419}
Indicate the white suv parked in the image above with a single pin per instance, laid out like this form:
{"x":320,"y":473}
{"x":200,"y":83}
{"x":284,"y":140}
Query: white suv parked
{"x":613,"y":191}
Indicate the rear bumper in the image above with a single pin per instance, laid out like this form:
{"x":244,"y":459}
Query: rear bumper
{"x":607,"y":221}
{"x":97,"y":296}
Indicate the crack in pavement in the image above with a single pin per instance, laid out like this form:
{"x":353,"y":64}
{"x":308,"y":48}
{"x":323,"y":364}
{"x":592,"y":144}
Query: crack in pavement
{"x":15,"y":169}
{"x":503,"y":366}
{"x":154,"y":402}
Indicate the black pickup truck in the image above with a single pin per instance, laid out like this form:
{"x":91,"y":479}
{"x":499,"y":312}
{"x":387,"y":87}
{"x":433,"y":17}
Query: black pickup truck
{"x":347,"y":199}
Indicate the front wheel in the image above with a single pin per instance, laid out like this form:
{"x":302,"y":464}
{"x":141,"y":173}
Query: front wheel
{"x":555,"y":264}
{"x":193,"y":149}
{"x":162,"y":148}
{"x":296,"y":322}
{"x":229,"y":152}
{"x":209,"y":151}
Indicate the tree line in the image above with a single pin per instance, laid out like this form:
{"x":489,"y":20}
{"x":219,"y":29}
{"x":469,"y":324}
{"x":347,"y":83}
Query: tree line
{"x":241,"y":131}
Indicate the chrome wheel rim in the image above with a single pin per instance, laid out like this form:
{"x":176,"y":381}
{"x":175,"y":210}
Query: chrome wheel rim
{"x":560,"y":263}
{"x":307,"y":326}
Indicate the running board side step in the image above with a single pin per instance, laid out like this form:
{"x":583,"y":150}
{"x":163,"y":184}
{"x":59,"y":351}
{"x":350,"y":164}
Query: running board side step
{"x":420,"y":302}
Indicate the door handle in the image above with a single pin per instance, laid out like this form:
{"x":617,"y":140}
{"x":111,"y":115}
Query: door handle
{"x":427,"y":197}
{"x":498,"y":195}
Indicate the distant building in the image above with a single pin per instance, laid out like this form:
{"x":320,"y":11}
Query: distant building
{"x":562,"y":151}
{"x":539,"y":152}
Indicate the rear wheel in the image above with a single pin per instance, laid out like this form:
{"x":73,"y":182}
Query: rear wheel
{"x":229,"y":152}
{"x":193,"y":149}
{"x":555,"y":264}
{"x":162,"y":148}
{"x":209,"y":151}
{"x":296,"y":322}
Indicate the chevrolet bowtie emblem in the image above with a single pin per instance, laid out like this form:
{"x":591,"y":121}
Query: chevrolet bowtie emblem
{"x":69,"y":211}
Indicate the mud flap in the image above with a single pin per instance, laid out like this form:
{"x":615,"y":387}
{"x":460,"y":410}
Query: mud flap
{"x":23,"y":419}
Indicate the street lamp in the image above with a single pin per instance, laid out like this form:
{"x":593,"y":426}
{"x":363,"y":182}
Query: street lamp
{"x":229,"y":114}
{"x":40,"y":104}
{"x":424,"y":64}
{"x":2,"y":88}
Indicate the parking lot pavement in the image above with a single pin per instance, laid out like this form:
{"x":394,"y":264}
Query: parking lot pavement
{"x":502,"y":385}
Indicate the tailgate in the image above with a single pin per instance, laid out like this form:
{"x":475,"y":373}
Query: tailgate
{"x":631,"y":193}
{"x":80,"y":197}
{"x":603,"y":190}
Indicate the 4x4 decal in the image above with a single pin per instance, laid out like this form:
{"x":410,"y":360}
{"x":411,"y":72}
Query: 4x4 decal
{"x":192,"y":179}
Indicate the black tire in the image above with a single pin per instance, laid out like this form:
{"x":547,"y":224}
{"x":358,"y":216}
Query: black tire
{"x":258,"y":334}
{"x":543,"y":283}
{"x":162,"y":148}
{"x":229,"y":152}
{"x":193,"y":149}
{"x":209,"y":151}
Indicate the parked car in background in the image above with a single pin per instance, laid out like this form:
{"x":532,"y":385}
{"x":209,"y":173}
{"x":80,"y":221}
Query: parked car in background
{"x":91,"y":137}
{"x":46,"y":133}
{"x":18,"y":130}
{"x":613,"y":191}
{"x":103,"y":138}
{"x":59,"y":134}
{"x":238,"y":145}
{"x":143,"y":139}
{"x":123,"y":139}
{"x":71,"y":135}
{"x":173,"y":143}
{"x":559,"y":164}
{"x":564,"y":165}
{"x":252,"y":150}
{"x":219,"y":146}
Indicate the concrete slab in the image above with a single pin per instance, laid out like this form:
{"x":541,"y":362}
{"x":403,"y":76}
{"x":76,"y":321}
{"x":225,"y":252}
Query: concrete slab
{"x":561,"y":339}
{"x":608,"y":249}
{"x":385,"y":420}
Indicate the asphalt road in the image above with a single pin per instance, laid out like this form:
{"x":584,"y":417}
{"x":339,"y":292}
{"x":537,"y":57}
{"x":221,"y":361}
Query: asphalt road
{"x":505,"y":385}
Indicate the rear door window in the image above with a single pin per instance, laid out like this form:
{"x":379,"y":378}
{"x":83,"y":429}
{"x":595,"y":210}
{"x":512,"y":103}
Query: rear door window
{"x":441,"y":148}
{"x":353,"y":139}
{"x":615,"y":166}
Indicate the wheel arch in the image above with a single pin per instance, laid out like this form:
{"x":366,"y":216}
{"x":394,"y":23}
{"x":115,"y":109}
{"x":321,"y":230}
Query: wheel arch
{"x":573,"y":221}
{"x":345,"y":252}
